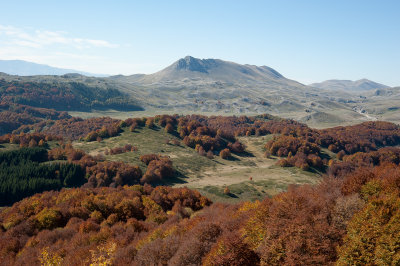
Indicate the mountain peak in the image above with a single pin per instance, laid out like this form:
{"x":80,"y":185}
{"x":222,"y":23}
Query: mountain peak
{"x":195,"y":64}
{"x":211,"y":71}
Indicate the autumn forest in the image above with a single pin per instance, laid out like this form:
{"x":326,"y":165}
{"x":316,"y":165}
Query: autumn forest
{"x":63,"y":206}
{"x":199,"y":133}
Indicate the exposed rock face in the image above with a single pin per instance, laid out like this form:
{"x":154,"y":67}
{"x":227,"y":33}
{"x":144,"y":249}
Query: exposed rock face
{"x":194,"y":64}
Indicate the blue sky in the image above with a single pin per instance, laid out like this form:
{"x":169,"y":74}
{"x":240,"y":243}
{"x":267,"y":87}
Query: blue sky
{"x":308,"y":41}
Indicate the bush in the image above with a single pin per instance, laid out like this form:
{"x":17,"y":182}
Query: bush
{"x":147,"y":158}
{"x":169,"y":128}
{"x":225,"y":154}
{"x":227,"y":191}
{"x":237,"y":147}
{"x":150,"y":123}
{"x":158,"y":170}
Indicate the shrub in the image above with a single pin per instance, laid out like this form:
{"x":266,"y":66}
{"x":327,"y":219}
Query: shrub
{"x":225,"y":154}
{"x":169,"y":128}
{"x":237,"y":147}
{"x":150,"y":123}
{"x":158,"y":170}
{"x":147,"y":158}
{"x":227,"y":191}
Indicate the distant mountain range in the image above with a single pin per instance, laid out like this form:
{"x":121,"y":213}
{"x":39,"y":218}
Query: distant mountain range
{"x":349,"y":85}
{"x":24,"y":68}
{"x":193,"y":85}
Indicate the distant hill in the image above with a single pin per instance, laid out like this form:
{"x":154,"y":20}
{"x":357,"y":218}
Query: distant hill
{"x":349,"y":85}
{"x":216,"y":70}
{"x":24,"y":68}
{"x":213,"y":85}
{"x":193,"y":85}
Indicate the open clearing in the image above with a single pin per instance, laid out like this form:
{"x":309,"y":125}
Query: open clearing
{"x":209,"y":176}
{"x":248,"y":176}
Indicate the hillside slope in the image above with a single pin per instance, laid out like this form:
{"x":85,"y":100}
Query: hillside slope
{"x":192,"y":85}
{"x":213,"y":85}
{"x":64,"y":93}
{"x":349,"y":85}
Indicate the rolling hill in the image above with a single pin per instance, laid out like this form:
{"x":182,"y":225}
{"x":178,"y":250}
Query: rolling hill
{"x":193,"y":85}
{"x":349,"y":85}
{"x":213,"y":85}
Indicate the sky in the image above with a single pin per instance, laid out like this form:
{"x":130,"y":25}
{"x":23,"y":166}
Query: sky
{"x":308,"y":41}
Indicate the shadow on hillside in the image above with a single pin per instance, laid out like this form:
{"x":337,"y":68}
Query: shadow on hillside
{"x":177,"y":179}
{"x":175,"y":134}
{"x":324,"y":155}
{"x":319,"y":171}
{"x":217,"y":162}
{"x":246,"y":154}
{"x":155,"y":128}
{"x":231,"y":158}
{"x":232,"y":195}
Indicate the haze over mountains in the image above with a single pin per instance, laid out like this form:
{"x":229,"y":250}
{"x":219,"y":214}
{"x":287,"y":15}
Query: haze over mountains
{"x":192,"y":85}
{"x":24,"y":68}
{"x":349,"y":85}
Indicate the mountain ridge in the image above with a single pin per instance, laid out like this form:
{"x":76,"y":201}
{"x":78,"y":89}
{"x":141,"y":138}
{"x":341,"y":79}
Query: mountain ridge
{"x":360,"y":85}
{"x":209,"y":70}
{"x":193,"y":85}
{"x":213,"y":85}
{"x":26,"y":68}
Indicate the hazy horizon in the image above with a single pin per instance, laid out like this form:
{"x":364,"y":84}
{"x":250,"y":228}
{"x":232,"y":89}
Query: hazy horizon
{"x":311,"y":41}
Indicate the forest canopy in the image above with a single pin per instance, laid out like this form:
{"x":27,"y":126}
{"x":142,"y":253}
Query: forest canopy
{"x":24,"y":172}
{"x":69,"y":206}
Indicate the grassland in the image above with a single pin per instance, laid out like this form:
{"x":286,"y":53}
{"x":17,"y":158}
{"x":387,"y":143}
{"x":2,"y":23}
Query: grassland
{"x":248,"y":177}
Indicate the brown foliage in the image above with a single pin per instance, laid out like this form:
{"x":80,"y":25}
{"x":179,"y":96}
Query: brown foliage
{"x":28,"y":139}
{"x":119,"y":150}
{"x":147,"y":158}
{"x":158,"y":170}
{"x":112,"y":174}
{"x":150,"y":122}
{"x":14,"y":116}
{"x":169,"y":128}
{"x":76,"y":221}
{"x":304,"y":225}
{"x":283,"y":145}
{"x":75,"y":128}
{"x":237,"y":147}
{"x":225,"y":154}
{"x":100,"y":173}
